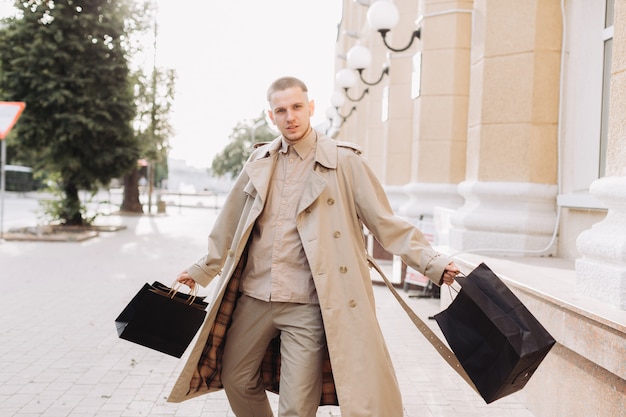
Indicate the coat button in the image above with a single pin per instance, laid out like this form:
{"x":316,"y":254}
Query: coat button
{"x":343,"y":269}
{"x":352,"y":303}
{"x":323,"y":169}
{"x":308,"y":210}
{"x":230,"y":252}
{"x":337,"y":234}
{"x":330,"y":201}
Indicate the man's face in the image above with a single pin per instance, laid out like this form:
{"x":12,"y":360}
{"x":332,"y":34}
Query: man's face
{"x":291,"y":111}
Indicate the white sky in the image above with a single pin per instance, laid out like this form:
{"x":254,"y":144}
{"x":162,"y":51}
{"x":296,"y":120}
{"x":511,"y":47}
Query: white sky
{"x":226,"y":53}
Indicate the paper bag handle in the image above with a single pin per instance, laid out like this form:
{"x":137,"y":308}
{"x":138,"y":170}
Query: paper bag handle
{"x":193,"y":292}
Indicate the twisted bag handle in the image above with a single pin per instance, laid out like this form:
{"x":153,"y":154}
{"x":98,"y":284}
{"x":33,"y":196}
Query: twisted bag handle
{"x":193,"y":292}
{"x":443,"y":350}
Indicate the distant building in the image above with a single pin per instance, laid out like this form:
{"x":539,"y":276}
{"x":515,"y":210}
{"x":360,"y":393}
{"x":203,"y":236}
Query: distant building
{"x":183,"y":178}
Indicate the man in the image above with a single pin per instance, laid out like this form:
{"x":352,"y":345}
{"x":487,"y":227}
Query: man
{"x":294,"y":308}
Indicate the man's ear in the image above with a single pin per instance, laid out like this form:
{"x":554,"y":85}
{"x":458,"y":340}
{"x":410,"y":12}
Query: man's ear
{"x":311,"y":107}
{"x":271,"y":116}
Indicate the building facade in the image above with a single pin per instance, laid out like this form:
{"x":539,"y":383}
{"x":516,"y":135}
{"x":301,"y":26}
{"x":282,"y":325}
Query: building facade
{"x":500,"y":128}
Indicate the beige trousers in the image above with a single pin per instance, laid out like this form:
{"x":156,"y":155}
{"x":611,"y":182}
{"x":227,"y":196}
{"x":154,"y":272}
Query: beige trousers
{"x":255,"y":324}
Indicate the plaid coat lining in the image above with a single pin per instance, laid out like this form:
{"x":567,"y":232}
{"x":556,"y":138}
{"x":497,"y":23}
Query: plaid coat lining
{"x":209,"y":368}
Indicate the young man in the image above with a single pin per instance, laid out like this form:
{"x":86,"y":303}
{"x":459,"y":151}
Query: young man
{"x":294,"y":309}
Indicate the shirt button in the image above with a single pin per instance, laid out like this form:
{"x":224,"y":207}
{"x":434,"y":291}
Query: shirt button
{"x":330,"y":201}
{"x":352,"y":303}
{"x":337,"y":234}
{"x":343,"y":269}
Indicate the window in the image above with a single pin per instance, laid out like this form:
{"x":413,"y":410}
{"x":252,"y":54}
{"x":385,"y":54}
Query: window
{"x":385,"y":104}
{"x":416,"y":76}
{"x":585,"y":99}
{"x":607,"y":36}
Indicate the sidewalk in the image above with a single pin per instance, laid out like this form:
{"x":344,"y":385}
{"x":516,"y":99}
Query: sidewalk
{"x":60,"y":354}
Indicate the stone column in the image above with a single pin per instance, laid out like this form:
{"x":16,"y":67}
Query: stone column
{"x":601,"y":271}
{"x":398,"y":127}
{"x":370,"y":109}
{"x":511,"y":168}
{"x":440,"y":113}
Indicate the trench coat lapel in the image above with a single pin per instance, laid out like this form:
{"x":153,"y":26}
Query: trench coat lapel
{"x":313,"y":187}
{"x":325,"y":158}
{"x":260,"y":173}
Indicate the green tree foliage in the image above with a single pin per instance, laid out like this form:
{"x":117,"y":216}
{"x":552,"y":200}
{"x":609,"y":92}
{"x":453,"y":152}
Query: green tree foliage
{"x":234,"y":155}
{"x":67,"y":60}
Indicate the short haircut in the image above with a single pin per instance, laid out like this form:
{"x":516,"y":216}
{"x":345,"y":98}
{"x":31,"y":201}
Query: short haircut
{"x":284,"y":83}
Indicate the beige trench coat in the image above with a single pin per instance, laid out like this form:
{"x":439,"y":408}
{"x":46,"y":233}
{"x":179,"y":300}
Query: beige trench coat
{"x":340,"y":196}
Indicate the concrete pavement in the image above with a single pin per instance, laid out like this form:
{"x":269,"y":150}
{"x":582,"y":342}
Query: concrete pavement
{"x":60,"y":354}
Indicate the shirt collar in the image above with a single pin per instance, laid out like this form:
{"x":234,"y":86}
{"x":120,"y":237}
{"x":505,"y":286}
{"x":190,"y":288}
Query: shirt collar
{"x":303,"y":147}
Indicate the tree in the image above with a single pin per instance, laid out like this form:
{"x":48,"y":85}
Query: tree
{"x":231,"y":160}
{"x":67,"y":60}
{"x":154,"y":97}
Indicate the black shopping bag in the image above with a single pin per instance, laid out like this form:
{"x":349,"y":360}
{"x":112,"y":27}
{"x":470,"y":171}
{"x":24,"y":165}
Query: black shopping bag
{"x":496,"y":339}
{"x":162,"y":319}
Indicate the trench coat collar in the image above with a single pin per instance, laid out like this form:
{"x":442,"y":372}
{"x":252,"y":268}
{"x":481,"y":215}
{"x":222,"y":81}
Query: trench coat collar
{"x":260,"y":169}
{"x":325,"y":151}
{"x":325,"y":154}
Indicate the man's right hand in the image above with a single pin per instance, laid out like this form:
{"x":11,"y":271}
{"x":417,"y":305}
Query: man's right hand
{"x":185,"y":278}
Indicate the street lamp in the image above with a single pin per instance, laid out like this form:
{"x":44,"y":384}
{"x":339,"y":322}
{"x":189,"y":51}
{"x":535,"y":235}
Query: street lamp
{"x":332,"y":113}
{"x":346,"y":79}
{"x":359,"y":58}
{"x":383,"y":16}
{"x":344,"y":118}
{"x":338,"y":100}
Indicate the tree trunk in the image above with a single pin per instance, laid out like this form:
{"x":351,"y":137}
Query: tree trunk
{"x":131,"y":202}
{"x":71,"y":215}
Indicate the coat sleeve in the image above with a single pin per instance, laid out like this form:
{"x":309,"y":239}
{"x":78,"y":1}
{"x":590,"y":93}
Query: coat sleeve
{"x":395,"y":234}
{"x":221,"y":236}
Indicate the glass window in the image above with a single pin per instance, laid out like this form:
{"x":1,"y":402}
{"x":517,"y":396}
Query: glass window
{"x":610,"y":11}
{"x":606,"y":84}
{"x":385,"y":104}
{"x":416,"y":79}
{"x":604,"y":123}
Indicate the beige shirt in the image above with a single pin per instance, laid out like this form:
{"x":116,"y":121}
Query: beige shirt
{"x":277,"y":267}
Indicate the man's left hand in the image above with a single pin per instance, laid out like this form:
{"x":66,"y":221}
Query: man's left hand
{"x":450,"y":273}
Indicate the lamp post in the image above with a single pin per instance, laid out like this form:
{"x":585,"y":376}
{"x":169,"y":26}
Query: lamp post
{"x":347,"y":79}
{"x":383,"y":16}
{"x":337,"y":99}
{"x":359,"y":57}
{"x":332,"y":116}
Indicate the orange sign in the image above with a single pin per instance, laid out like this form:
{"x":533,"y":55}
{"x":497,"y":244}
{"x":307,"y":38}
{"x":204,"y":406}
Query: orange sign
{"x":10,"y":111}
